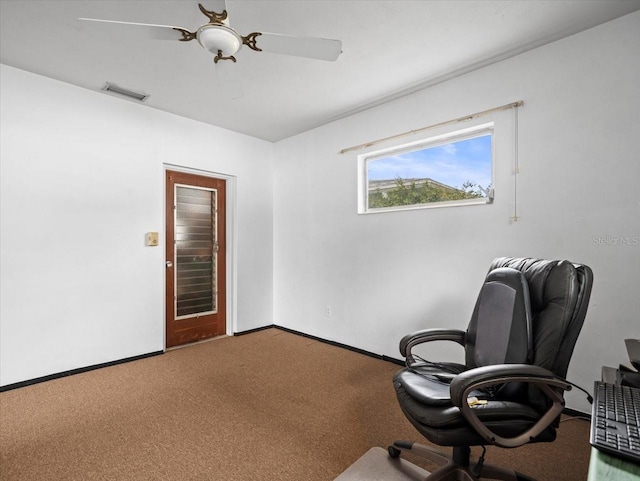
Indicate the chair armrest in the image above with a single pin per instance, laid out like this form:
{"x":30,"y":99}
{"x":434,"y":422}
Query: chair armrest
{"x":463,"y":384}
{"x":426,"y":335}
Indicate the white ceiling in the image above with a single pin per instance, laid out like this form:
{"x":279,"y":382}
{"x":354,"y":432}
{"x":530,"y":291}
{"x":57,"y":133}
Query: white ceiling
{"x":390,"y":48}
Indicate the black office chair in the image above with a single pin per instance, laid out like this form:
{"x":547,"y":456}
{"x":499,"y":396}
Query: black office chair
{"x":510,"y":390}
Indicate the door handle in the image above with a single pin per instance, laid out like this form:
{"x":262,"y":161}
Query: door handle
{"x":169,"y":264}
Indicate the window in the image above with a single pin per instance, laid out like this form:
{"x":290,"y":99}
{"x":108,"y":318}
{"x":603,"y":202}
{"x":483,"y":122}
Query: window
{"x":451,"y":169}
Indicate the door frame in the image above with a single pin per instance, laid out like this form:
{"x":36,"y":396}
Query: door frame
{"x":231,"y":243}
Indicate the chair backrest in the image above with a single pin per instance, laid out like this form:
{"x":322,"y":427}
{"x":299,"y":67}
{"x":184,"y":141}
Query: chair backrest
{"x":499,"y":331}
{"x":559,"y":293}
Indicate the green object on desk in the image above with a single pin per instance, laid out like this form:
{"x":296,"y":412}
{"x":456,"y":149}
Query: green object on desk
{"x":603,"y":467}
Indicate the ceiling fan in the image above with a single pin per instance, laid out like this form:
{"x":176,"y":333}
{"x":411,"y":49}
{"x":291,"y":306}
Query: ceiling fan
{"x":224,"y":42}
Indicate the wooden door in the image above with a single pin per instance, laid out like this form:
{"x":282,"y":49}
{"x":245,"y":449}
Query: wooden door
{"x":195,"y":258}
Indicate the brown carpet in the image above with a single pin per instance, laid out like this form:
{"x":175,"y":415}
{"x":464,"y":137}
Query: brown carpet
{"x":269,"y":405}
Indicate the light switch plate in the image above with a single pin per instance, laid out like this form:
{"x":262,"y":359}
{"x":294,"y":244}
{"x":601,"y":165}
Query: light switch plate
{"x":152,"y":239}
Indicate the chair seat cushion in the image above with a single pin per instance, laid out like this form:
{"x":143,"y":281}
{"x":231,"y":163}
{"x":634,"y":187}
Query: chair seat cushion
{"x":442,"y":423}
{"x":429,"y":384}
{"x":432,"y":404}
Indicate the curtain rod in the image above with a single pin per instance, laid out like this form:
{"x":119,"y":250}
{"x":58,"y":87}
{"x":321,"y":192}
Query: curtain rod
{"x":512,"y":105}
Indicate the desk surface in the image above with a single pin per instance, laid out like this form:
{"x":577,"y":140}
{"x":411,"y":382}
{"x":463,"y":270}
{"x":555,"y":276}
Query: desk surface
{"x":603,"y":467}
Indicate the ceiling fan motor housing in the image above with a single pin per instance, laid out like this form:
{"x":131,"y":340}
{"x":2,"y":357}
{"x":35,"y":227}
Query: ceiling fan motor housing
{"x":219,"y":38}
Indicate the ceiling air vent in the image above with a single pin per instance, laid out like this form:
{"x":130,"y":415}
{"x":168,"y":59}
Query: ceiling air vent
{"x":109,"y":87}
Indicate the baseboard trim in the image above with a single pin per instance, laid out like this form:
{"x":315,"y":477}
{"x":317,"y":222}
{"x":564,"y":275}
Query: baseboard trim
{"x":80,"y":370}
{"x":339,"y":344}
{"x":257,"y":329}
{"x":326,"y":341}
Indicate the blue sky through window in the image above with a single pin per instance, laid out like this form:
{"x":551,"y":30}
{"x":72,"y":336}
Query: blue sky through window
{"x":452,"y":164}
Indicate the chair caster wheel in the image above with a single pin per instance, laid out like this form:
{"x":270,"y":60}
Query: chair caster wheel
{"x":394,"y":452}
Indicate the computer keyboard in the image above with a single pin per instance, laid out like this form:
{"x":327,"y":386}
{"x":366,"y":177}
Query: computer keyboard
{"x":615,"y":420}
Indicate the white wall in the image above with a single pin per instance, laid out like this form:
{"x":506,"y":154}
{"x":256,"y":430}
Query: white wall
{"x":82,"y":181}
{"x":385,"y":275}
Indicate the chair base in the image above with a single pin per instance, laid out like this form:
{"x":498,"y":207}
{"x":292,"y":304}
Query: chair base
{"x":457,"y":467}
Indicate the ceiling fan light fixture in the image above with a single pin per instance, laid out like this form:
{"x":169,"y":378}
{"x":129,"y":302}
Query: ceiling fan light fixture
{"x":219,"y":38}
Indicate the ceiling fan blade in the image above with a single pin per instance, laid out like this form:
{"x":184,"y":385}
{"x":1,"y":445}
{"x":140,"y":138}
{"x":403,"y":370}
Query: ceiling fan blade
{"x":310,"y":47}
{"x":229,"y":83}
{"x":147,"y":30}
